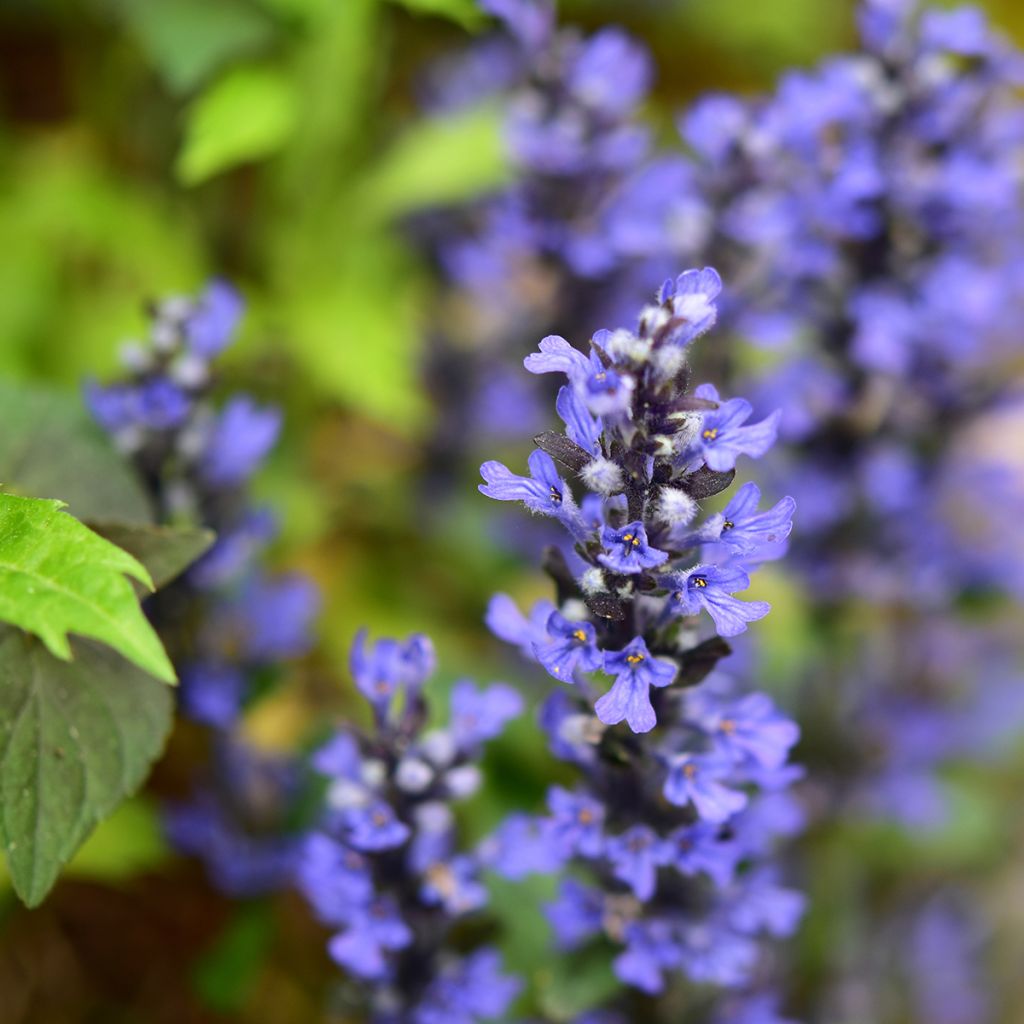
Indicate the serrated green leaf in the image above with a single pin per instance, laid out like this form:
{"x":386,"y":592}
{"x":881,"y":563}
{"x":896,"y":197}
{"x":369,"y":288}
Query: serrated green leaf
{"x":189,"y":39}
{"x":75,"y":738}
{"x":165,"y":551}
{"x":246,"y":115}
{"x":465,"y":12}
{"x":437,"y":161}
{"x":57,"y":576}
{"x":49,"y":445}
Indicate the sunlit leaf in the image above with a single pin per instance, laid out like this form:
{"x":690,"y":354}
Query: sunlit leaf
{"x":58,"y":577}
{"x":439,"y":160}
{"x":248,"y":114}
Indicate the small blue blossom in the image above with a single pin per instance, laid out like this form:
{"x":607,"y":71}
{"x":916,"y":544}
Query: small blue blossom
{"x":723,"y":438}
{"x":542,"y":491}
{"x":333,"y":878}
{"x":240,"y":439}
{"x":691,"y":298}
{"x":636,"y":671}
{"x":471,"y":990}
{"x":576,"y":915}
{"x":741,"y":527}
{"x":696,"y":779}
{"x":480,"y":715}
{"x":570,"y":645}
{"x":374,"y":828}
{"x":372,"y":930}
{"x":576,"y":823}
{"x":635,"y":857}
{"x":752,"y":729}
{"x":211,"y":325}
{"x":389,"y":667}
{"x":711,"y":587}
{"x":626,"y":549}
{"x":651,"y":949}
{"x":580,"y":425}
{"x":507,"y":622}
{"x":700,"y":848}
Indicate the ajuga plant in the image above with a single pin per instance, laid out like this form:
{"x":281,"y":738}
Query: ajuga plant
{"x":666,"y":836}
{"x":532,"y":258}
{"x":384,"y":867}
{"x":868,"y":215}
{"x":228,"y":623}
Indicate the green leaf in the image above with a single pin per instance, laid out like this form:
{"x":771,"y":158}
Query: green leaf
{"x":187,"y":40}
{"x":165,"y":551}
{"x":358,"y":334}
{"x":464,"y":12}
{"x":440,"y":160}
{"x":57,"y":576}
{"x":75,"y":739}
{"x":246,"y":115}
{"x":50,"y":446}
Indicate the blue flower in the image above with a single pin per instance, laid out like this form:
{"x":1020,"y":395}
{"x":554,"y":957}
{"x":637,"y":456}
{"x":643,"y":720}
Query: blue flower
{"x":468,"y":991}
{"x":373,"y":930}
{"x":453,"y":884}
{"x":759,"y":903}
{"x":389,"y":667}
{"x":374,"y":827}
{"x":162,"y":405}
{"x":723,"y":438}
{"x":752,"y":729}
{"x":626,"y":549}
{"x":333,"y":878}
{"x":576,"y":823}
{"x":610,"y":73}
{"x":212,"y":692}
{"x":571,"y":645}
{"x":556,"y":355}
{"x":542,"y":491}
{"x":742,"y":527}
{"x":651,"y":948}
{"x":507,"y":622}
{"x":212,"y":323}
{"x":580,"y":425}
{"x":576,"y":915}
{"x":700,"y":848}
{"x":636,"y":671}
{"x":240,"y":439}
{"x":275,"y":617}
{"x":635,"y":857}
{"x":691,"y":297}
{"x":711,"y":587}
{"x":480,"y":715}
{"x":696,"y":779}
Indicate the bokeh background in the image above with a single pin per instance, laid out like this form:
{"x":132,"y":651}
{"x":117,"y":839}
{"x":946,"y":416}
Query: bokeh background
{"x":149,"y":144}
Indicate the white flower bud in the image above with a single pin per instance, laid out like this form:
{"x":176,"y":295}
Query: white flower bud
{"x":439,"y":747}
{"x":676,"y":507}
{"x":373,"y":772}
{"x":592,"y":582}
{"x":413,"y":775}
{"x":344,"y":793}
{"x":602,"y":476}
{"x":463,"y":781}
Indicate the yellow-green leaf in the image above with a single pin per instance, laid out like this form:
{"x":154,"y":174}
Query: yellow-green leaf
{"x":248,"y":114}
{"x":58,"y":577}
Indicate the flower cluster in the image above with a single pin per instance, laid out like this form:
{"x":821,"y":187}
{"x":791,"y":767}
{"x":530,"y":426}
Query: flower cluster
{"x":384,"y":867}
{"x":228,"y":623}
{"x":674,"y":820}
{"x":534,"y":255}
{"x":868,"y":214}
